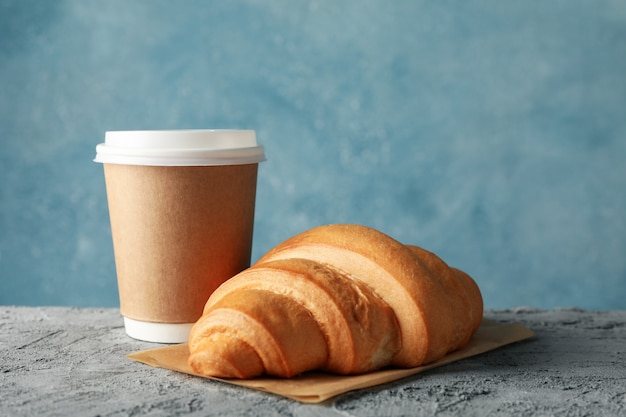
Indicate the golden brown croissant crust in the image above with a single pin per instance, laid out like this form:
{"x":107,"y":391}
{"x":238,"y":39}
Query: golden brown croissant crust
{"x":343,"y":298}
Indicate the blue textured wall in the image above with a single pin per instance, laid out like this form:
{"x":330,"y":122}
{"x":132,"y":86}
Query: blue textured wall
{"x":490,"y":132}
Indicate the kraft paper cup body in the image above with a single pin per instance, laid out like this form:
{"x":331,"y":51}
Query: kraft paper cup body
{"x":181,"y":206}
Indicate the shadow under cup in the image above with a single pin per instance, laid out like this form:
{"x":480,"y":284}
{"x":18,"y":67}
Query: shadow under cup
{"x":181,"y":205}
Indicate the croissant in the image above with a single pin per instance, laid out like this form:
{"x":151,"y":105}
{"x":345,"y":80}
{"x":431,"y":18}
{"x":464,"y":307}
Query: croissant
{"x":346,"y":299}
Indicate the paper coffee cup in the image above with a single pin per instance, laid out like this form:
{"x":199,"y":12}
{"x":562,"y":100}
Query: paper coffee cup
{"x":181,"y":205}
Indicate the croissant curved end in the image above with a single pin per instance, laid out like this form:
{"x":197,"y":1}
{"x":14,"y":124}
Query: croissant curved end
{"x":216,"y":357}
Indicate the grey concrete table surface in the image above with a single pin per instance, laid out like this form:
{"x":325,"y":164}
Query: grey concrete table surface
{"x":71,"y":362}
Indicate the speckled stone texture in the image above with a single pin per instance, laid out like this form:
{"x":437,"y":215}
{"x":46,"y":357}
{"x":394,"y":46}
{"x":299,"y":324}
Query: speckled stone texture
{"x":66,"y":361}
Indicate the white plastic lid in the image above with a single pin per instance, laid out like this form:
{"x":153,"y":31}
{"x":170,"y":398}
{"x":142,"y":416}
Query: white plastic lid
{"x":157,"y":332}
{"x":180,"y":148}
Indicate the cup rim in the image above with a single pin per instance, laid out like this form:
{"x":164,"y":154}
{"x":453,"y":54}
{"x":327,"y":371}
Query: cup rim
{"x":191,"y":147}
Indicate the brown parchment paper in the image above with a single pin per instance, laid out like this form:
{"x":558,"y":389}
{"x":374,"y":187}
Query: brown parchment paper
{"x":313,"y":387}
